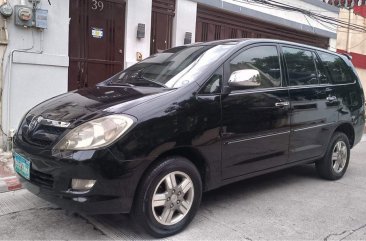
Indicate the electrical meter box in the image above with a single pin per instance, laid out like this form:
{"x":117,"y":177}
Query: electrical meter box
{"x":23,"y":16}
{"x":29,"y":17}
{"x":41,"y":17}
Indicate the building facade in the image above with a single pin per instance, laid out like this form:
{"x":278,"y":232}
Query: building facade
{"x":86,"y":41}
{"x":353,"y":42}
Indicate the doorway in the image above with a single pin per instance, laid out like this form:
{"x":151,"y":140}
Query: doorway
{"x":96,"y":41}
{"x":163,"y":12}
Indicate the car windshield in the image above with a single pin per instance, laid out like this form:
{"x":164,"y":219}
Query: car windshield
{"x":172,"y":68}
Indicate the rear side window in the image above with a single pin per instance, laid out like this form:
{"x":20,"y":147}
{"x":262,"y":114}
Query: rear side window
{"x":265,"y":60}
{"x":337,"y":68}
{"x":323,"y":74}
{"x":301,"y":68}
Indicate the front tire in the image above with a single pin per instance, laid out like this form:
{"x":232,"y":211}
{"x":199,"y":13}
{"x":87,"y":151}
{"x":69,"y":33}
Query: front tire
{"x":335,"y":162}
{"x":168,"y":197}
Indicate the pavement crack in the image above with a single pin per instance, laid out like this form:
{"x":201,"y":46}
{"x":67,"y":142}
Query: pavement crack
{"x":350,"y":232}
{"x":353,"y":231}
{"x":95,"y":227}
{"x":334,"y":234}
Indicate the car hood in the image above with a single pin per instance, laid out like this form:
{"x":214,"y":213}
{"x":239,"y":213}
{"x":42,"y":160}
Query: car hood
{"x":85,"y":104}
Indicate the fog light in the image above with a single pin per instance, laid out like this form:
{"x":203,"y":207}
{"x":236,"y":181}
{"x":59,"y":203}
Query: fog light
{"x":82,"y":184}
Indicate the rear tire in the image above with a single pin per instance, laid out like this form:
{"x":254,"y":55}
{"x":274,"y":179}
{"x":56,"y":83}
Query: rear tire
{"x":335,"y":162}
{"x":168,"y":197}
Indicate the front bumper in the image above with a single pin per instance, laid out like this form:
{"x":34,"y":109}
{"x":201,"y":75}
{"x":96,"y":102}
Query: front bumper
{"x":80,"y":204}
{"x":113,"y":192}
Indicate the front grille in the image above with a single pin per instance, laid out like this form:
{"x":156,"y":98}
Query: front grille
{"x":41,"y":178}
{"x":42,"y":135}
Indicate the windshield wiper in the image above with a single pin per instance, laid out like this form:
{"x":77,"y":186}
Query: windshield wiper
{"x":152,"y":81}
{"x":121,"y":84}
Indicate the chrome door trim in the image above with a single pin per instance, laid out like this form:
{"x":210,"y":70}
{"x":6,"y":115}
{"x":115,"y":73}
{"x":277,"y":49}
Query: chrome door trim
{"x":255,"y":137}
{"x":312,"y":127}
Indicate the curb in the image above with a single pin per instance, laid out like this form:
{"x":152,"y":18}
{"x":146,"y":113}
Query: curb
{"x":9,"y":184}
{"x":8,"y":178}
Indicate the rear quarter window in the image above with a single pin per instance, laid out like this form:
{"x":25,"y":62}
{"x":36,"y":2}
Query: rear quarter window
{"x":338,"y":70}
{"x":300,"y":64}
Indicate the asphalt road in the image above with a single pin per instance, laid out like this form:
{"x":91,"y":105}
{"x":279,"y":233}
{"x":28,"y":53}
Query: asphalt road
{"x":294,"y":204}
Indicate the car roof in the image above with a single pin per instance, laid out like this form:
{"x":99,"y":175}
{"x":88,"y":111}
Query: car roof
{"x":245,"y":41}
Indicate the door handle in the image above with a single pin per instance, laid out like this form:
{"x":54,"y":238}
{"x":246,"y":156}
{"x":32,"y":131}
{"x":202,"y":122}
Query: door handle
{"x":331,"y":98}
{"x":282,"y":104}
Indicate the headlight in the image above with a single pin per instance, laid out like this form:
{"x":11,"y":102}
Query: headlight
{"x":96,"y":133}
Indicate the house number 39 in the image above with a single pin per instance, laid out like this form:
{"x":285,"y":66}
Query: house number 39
{"x":97,"y":5}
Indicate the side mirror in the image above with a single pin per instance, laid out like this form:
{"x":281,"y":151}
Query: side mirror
{"x":245,"y":78}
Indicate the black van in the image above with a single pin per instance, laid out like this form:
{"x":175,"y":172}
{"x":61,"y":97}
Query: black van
{"x":149,"y":140}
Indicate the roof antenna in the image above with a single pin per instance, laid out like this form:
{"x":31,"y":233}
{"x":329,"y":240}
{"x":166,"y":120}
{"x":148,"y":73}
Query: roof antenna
{"x":49,"y":2}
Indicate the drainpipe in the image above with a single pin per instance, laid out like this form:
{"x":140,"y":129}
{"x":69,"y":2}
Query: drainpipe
{"x":348,"y":46}
{"x":3,"y":44}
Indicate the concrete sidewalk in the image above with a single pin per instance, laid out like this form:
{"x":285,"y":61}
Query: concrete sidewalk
{"x":8,"y":179}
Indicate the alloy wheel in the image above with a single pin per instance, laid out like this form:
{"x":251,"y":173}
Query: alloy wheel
{"x":339,"y":156}
{"x":172,"y":198}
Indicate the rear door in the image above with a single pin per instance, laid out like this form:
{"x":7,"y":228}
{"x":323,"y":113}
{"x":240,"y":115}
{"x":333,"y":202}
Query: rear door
{"x":313,"y":103}
{"x":348,"y":91}
{"x":255,"y":121}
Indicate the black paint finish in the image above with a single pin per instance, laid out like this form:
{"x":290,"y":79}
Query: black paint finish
{"x":255,"y":132}
{"x":230,"y":136}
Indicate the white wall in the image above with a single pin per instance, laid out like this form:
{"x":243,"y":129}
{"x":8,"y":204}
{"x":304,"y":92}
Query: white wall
{"x":333,"y":44}
{"x":184,"y":21}
{"x":137,"y":11}
{"x":31,"y":77}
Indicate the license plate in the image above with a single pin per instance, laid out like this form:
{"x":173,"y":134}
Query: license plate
{"x":22,"y":166}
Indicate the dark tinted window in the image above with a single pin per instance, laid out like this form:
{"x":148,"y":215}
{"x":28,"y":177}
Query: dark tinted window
{"x":213,"y":85}
{"x":337,"y":68}
{"x":300,"y":66}
{"x":265,"y":60}
{"x":172,"y":68}
{"x":323,"y":74}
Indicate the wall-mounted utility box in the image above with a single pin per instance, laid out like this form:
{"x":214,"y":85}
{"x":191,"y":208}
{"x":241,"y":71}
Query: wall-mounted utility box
{"x":27,"y":17}
{"x":23,"y":16}
{"x":188,"y":38}
{"x":140,"y":30}
{"x":41,"y":18}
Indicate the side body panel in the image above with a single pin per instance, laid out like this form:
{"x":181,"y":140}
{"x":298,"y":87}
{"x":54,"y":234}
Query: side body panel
{"x":313,"y":119}
{"x":255,"y":124}
{"x":255,"y":131}
{"x":313,"y":114}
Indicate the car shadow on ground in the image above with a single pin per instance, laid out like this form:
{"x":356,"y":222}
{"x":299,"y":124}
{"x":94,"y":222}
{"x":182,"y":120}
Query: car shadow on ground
{"x":121,"y":226}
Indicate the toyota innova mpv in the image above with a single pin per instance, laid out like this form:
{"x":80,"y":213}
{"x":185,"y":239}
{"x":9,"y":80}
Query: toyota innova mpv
{"x":149,"y":140}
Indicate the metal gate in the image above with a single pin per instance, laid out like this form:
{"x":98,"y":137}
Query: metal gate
{"x":96,"y":41}
{"x":213,"y":24}
{"x":163,"y":12}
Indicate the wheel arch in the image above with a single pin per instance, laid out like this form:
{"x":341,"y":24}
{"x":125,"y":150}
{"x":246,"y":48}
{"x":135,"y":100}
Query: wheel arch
{"x":347,"y":129}
{"x":190,"y":153}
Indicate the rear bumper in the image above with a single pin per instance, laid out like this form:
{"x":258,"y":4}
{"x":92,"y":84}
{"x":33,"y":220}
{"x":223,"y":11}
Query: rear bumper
{"x":113,"y":192}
